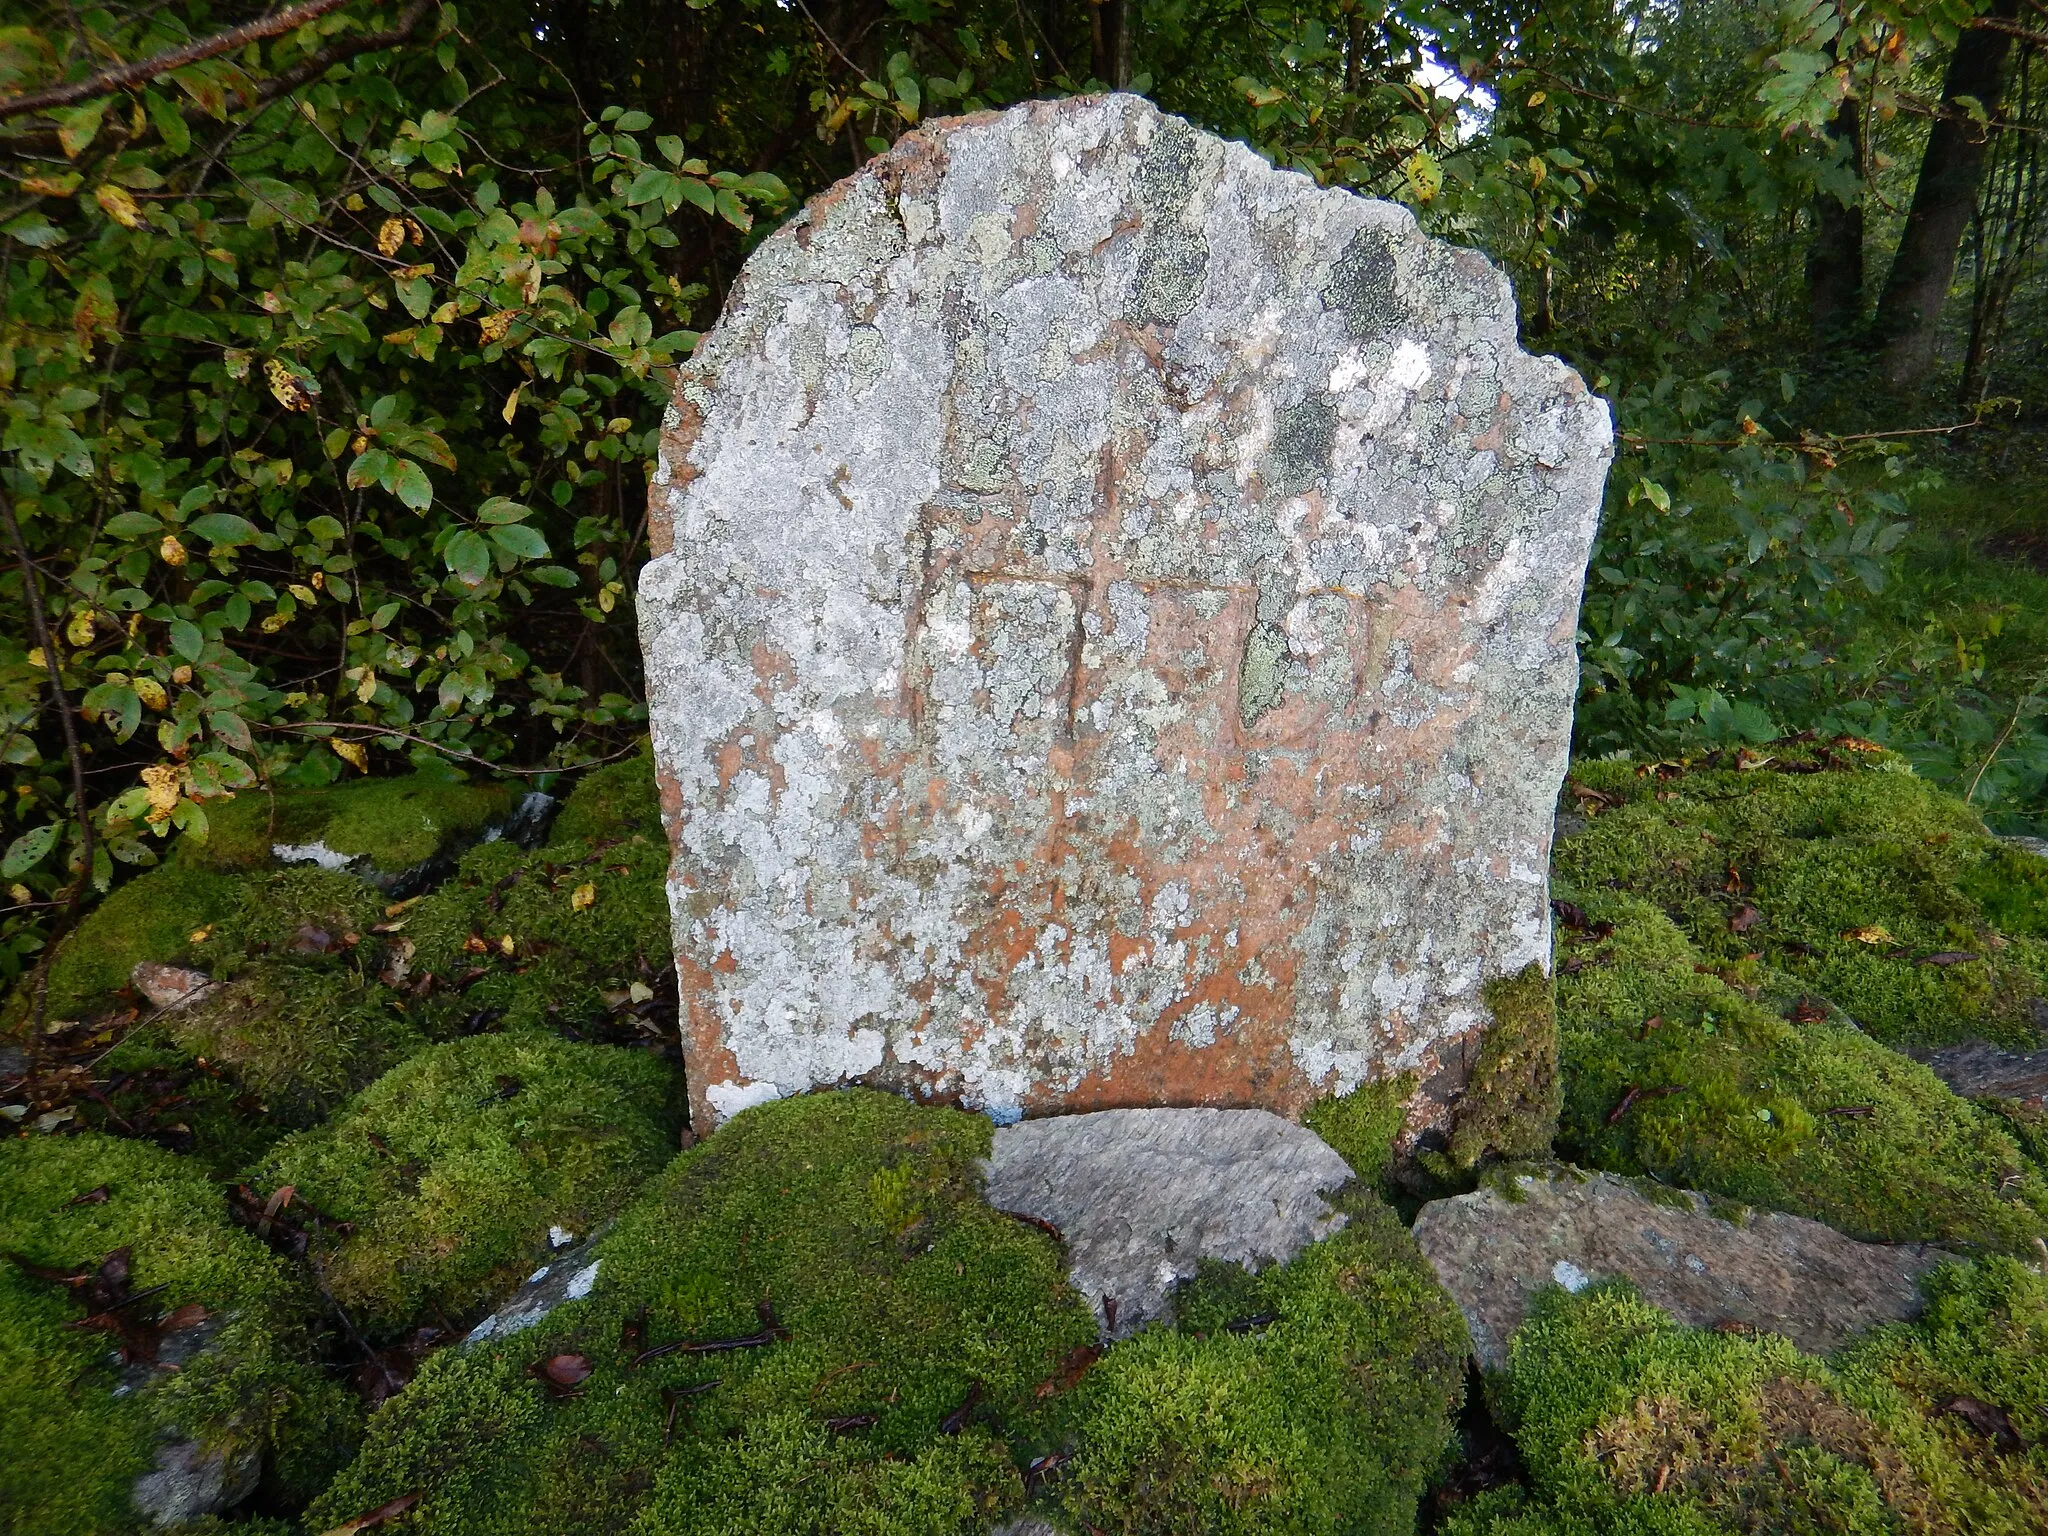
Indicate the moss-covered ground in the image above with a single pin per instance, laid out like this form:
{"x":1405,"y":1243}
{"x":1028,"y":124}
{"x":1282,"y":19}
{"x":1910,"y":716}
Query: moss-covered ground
{"x":451,"y":1170}
{"x":392,"y":1106}
{"x":1629,"y":1422}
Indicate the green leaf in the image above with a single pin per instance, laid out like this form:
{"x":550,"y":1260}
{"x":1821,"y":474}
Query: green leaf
{"x":224,"y":529}
{"x":79,"y":126}
{"x":324,"y":528}
{"x":502,"y":509}
{"x":634,"y":122}
{"x":520,"y":541}
{"x":133,"y":525}
{"x":186,"y":639}
{"x":271,"y":200}
{"x":28,"y":850}
{"x":370,"y":468}
{"x":412,"y":486}
{"x":469,"y":557}
{"x":555,"y":576}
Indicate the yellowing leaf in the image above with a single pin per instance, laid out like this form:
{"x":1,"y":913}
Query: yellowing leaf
{"x":494,"y":326}
{"x":161,"y":784}
{"x":303,"y":593}
{"x":354,"y":753}
{"x":511,"y":404}
{"x":119,"y":206}
{"x":151,"y":692}
{"x":293,"y":391}
{"x":201,"y":935}
{"x":79,"y":630}
{"x":1537,"y":170}
{"x":583,"y":897}
{"x":272,"y":623}
{"x":61,"y":185}
{"x":35,"y":656}
{"x":1870,"y":933}
{"x":390,"y":236}
{"x":1537,"y":98}
{"x":366,"y":690}
{"x":507,"y":947}
{"x":172,"y":551}
{"x":1424,"y":176}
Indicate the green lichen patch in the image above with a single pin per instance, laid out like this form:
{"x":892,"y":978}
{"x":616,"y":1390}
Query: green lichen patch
{"x":1510,"y":1106}
{"x":73,"y":1445}
{"x":856,"y":1218}
{"x":1672,"y":1069}
{"x":393,"y":824}
{"x":452,"y":1167}
{"x":1863,"y":884}
{"x":1317,"y":1396}
{"x":152,"y":917}
{"x":1629,"y":1422}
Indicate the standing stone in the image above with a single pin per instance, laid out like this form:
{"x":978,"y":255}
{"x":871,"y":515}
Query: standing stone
{"x":1110,"y":640}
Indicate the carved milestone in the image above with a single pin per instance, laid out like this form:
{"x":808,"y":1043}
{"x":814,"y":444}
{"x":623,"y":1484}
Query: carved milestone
{"x":1110,"y":640}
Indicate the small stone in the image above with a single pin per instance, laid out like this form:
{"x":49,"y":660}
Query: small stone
{"x":568,"y":1276}
{"x":169,"y":986}
{"x":2038,"y":846}
{"x":1776,"y":1273}
{"x":1980,"y":1071}
{"x":1141,"y":1196}
{"x":192,"y":1480}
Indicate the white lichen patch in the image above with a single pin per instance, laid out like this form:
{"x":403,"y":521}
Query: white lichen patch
{"x":1112,"y":639}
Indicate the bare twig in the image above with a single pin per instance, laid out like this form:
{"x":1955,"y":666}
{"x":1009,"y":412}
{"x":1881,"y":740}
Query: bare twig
{"x":315,"y":728}
{"x":122,"y":76}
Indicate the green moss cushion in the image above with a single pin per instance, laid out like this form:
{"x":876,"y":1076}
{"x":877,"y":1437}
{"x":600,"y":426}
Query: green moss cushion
{"x":1314,"y":1397}
{"x":73,"y":1445}
{"x":1629,"y":1422}
{"x":910,"y":1357}
{"x":452,"y":1168}
{"x":1675,"y":1070}
{"x":391,"y":824}
{"x":1863,"y":884}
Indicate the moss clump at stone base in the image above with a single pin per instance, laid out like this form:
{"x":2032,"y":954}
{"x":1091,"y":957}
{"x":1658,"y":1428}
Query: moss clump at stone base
{"x":1862,"y":884}
{"x":391,"y":825}
{"x":78,"y":1428}
{"x":901,"y":1356}
{"x":1362,"y":1125}
{"x":452,"y":1168}
{"x":852,"y":1220}
{"x":1629,"y":1422}
{"x":1317,"y":1396}
{"x":1511,"y":1101}
{"x":1672,"y":1069}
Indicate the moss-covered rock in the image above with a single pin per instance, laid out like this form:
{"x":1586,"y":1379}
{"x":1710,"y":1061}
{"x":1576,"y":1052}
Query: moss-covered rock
{"x":152,"y":917}
{"x":1673,"y":1069}
{"x":1630,"y":1423}
{"x":383,"y":827}
{"x":573,"y":936}
{"x":452,"y":1167}
{"x":78,"y":1428}
{"x":1510,"y":1105}
{"x":1316,"y":1396}
{"x":857,"y":1219}
{"x":1861,"y":883}
{"x":903,"y":1354}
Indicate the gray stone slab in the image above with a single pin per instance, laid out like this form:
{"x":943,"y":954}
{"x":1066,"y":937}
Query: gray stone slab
{"x":1110,"y":632}
{"x":1776,"y":1273}
{"x":1980,"y":1071}
{"x":1142,"y":1196}
{"x":567,"y":1276}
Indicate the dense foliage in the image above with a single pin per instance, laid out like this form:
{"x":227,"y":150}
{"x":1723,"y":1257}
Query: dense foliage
{"x":335,"y":342}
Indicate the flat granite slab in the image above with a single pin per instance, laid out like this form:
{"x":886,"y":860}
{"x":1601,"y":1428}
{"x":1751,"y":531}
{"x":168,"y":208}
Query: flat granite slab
{"x":1772,"y":1272}
{"x":1141,"y":1196}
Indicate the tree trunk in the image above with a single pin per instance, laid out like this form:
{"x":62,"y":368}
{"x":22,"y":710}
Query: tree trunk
{"x":1834,"y":268}
{"x":1944,"y":199}
{"x":1109,"y":42}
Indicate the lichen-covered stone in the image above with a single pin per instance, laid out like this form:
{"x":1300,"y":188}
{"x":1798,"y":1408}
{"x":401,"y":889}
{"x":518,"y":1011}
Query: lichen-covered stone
{"x":1143,"y":1197}
{"x":1110,"y":640}
{"x":1497,"y":1248}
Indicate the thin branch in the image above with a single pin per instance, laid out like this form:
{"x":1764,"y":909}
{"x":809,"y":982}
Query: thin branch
{"x":314,"y":727}
{"x":122,"y":76}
